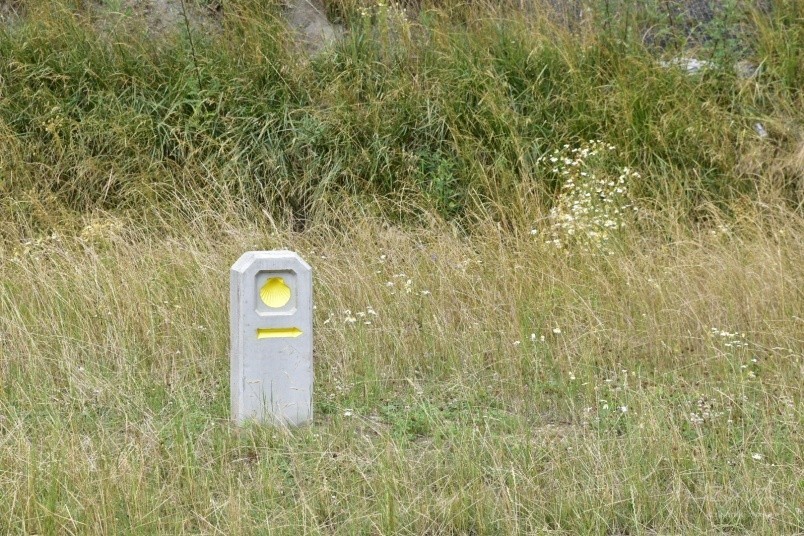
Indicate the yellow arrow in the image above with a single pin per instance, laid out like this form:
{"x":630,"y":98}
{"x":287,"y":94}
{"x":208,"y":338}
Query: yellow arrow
{"x":272,"y":333}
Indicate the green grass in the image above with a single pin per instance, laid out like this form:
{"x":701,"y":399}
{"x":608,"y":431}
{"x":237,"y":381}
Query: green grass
{"x":470,"y":376}
{"x":454,"y":113}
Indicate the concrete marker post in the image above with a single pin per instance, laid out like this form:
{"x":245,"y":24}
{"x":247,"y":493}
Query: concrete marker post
{"x":271,"y":329}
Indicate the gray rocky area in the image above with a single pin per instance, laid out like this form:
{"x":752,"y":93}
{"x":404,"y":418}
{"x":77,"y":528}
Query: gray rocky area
{"x":9,"y":9}
{"x":307,"y":18}
{"x":159,"y":16}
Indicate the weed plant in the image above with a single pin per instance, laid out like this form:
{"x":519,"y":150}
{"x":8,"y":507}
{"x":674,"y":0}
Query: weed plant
{"x":591,"y":208}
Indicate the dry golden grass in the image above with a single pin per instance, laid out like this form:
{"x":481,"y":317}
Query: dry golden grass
{"x":483,"y":384}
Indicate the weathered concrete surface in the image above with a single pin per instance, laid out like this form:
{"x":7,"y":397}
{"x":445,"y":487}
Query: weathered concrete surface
{"x":271,"y":328}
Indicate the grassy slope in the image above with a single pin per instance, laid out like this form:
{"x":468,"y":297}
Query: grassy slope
{"x":456,"y":113}
{"x":128,"y":189}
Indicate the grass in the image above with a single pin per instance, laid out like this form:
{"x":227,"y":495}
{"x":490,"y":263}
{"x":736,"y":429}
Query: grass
{"x":485,"y":362}
{"x":622,"y":413}
{"x":456,"y":112}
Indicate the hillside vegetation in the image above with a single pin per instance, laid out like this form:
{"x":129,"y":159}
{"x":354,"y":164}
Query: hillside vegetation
{"x":558,"y":270}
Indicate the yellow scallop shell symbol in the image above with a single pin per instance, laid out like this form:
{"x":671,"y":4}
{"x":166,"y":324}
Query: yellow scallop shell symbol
{"x":275,"y":293}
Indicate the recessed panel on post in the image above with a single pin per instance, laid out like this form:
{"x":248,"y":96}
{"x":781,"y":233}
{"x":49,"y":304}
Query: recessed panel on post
{"x":271,"y":326}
